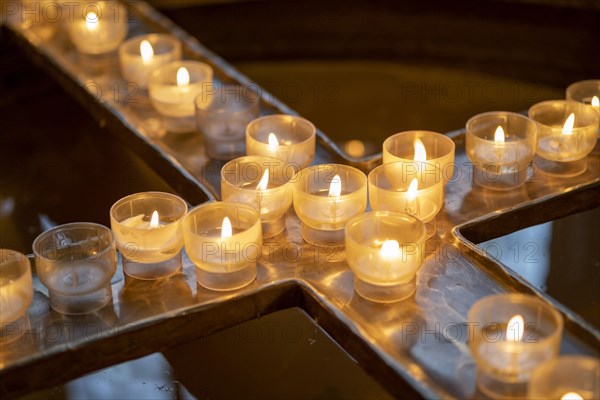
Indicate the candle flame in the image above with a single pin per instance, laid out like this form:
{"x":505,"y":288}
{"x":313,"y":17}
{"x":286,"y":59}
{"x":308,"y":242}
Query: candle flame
{"x":390,"y":250}
{"x":262,"y":185}
{"x":146,"y":51}
{"x":595,"y":101}
{"x":412,"y":189}
{"x":571,"y":396}
{"x":515,"y":328}
{"x":91,"y":21}
{"x":154,"y":220}
{"x":420,"y":152}
{"x":499,"y":135}
{"x":335,"y":188}
{"x":273,"y":142}
{"x":183,"y":77}
{"x":568,"y":126}
{"x":226,"y":230}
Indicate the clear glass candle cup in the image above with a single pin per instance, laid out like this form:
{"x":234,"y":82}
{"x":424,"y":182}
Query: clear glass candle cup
{"x":98,"y":27}
{"x":16,"y":288}
{"x":586,"y":92}
{"x":176,"y":89}
{"x":148,"y":233}
{"x":439,"y":150}
{"x":76,"y":263}
{"x":384,"y":250}
{"x":326,"y":196}
{"x":223,"y":122}
{"x":138,"y":60}
{"x":562,"y":150}
{"x":500,"y":146}
{"x":224,"y":241}
{"x":564,"y":376}
{"x":40,"y":17}
{"x":285,"y":137}
{"x":507,"y":349}
{"x":262,"y":182}
{"x":415,"y":188}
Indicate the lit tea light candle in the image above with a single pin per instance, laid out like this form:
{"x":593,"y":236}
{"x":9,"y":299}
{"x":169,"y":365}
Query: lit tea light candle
{"x":567,"y":133}
{"x":76,"y":263}
{"x":285,"y":137}
{"x":325,"y":197}
{"x":174,"y":88}
{"x":433,"y":147}
{"x":98,"y":28}
{"x":586,"y":92}
{"x":567,"y":378}
{"x":415,"y":188}
{"x":500,"y":146}
{"x":384,"y":251}
{"x":512,"y":334}
{"x":147,"y":229}
{"x":223,"y":240}
{"x":140,"y":55}
{"x":16,"y":289}
{"x":223,"y":122}
{"x":262,"y":182}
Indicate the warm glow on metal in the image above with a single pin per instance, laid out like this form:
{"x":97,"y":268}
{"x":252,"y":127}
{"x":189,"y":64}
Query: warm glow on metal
{"x":146,"y":51}
{"x":273,"y":142}
{"x":515,"y":328}
{"x":355,"y":148}
{"x":262,"y":185}
{"x":226,"y":230}
{"x":499,"y":135}
{"x":91,"y":21}
{"x":335,"y":188}
{"x":412,"y":189}
{"x":420,"y":152}
{"x":390,"y":250}
{"x":154,"y":221}
{"x":571,"y":396}
{"x":183,"y":77}
{"x":595,"y":101}
{"x":568,"y":126}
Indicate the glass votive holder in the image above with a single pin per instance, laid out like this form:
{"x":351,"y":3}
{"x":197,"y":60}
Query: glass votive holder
{"x":587,"y":92}
{"x":223,"y":122}
{"x":326,"y":196}
{"x":224,"y":241}
{"x":141,"y":55}
{"x":410,"y":146}
{"x":383,"y":249}
{"x":41,"y":17}
{"x":567,"y":133}
{"x":566,"y":378}
{"x":173,"y":88}
{"x":97,"y":27}
{"x":500,"y":146}
{"x":285,"y":137}
{"x":415,"y":188}
{"x":148,"y":233}
{"x":512,"y":334}
{"x":16,"y":292}
{"x":76,"y":263}
{"x":263,"y":183}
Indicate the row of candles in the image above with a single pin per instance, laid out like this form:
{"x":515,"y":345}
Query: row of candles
{"x":223,"y":239}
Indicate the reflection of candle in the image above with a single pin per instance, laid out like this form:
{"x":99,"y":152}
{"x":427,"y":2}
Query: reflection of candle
{"x":140,"y":55}
{"x":285,"y":137}
{"x":325,"y":197}
{"x":262,"y":182}
{"x":501,"y":146}
{"x":99,"y":32}
{"x":383,"y":250}
{"x":223,"y":240}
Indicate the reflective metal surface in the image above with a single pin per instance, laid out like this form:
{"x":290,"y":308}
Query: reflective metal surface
{"x":413,"y":348}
